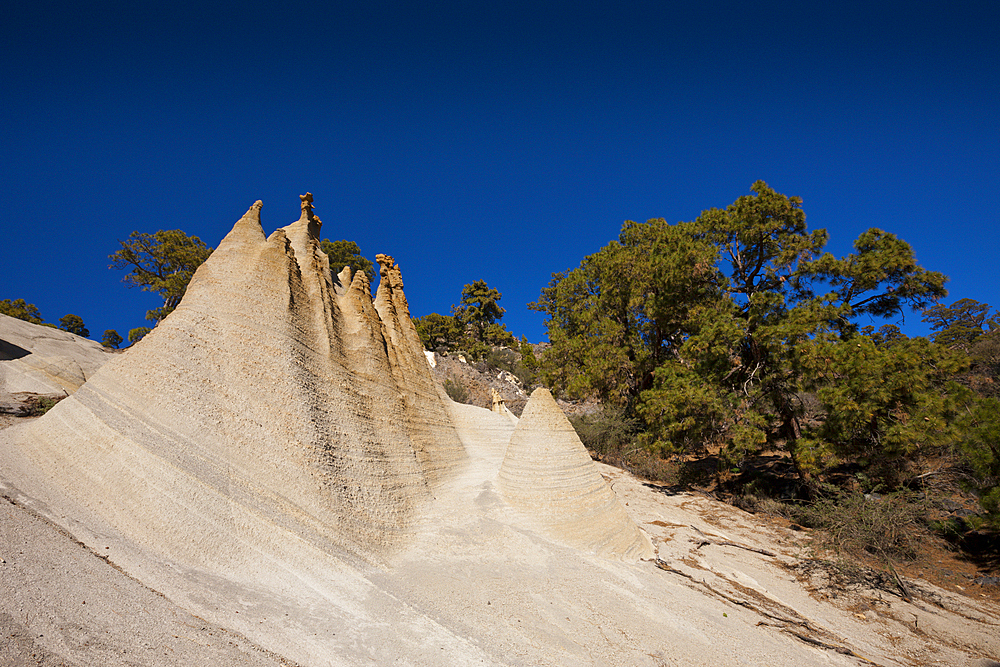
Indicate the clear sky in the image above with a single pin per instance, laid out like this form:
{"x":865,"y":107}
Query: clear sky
{"x":486,"y":140}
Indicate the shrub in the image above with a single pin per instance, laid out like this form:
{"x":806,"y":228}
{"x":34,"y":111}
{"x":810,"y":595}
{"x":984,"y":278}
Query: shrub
{"x":456,"y":391}
{"x":524,"y":374}
{"x":888,"y":526}
{"x":474,"y":350}
{"x":605,"y":431}
{"x":762,"y":504}
{"x":501,"y":358}
{"x":610,"y":436}
{"x":37,"y":406}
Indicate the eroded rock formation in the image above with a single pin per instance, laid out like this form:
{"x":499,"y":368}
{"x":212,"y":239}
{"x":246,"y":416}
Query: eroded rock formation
{"x":436,"y":444}
{"x":40,"y":361}
{"x":266,"y":389}
{"x":276,"y":457}
{"x":549,"y":476}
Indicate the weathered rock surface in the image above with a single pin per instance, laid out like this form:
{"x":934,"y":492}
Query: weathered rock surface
{"x":38,"y":361}
{"x":263,"y":389}
{"x":276,"y":459}
{"x":479,"y":382}
{"x":548,"y":475}
{"x":436,"y":444}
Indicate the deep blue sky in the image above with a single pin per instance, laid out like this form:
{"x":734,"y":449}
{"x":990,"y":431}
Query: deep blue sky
{"x":501,"y":140}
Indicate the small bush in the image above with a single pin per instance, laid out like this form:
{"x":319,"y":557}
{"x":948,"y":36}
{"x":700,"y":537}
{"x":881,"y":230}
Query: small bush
{"x":39,"y":405}
{"x":506,"y":359}
{"x":888,"y":526}
{"x":608,"y":430}
{"x":646,"y":464}
{"x":610,"y":436}
{"x":474,"y":350}
{"x":757,"y":504}
{"x":525,"y":374}
{"x":501,"y":358}
{"x":456,"y":391}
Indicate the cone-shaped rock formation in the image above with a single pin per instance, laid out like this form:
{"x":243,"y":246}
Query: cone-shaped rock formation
{"x":548,"y":475}
{"x":265,"y":394}
{"x":275,"y":459}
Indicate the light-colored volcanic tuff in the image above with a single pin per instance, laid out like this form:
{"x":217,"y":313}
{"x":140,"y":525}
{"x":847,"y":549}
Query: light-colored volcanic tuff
{"x":264,"y":389}
{"x":548,"y":475}
{"x":276,"y":458}
{"x":41,"y":360}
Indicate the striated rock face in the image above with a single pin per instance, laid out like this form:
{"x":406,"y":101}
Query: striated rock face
{"x":548,"y":475}
{"x":276,"y":457}
{"x":42,"y":360}
{"x":268,"y":390}
{"x":437,"y":444}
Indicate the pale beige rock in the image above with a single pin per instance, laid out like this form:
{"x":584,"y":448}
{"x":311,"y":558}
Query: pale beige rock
{"x":43,"y":360}
{"x":254,"y":437}
{"x":437,"y":445}
{"x":498,"y":406}
{"x":548,"y":475}
{"x":274,"y":458}
{"x":261,"y":385}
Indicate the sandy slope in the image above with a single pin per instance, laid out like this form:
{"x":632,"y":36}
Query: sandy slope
{"x":481,"y":590}
{"x":61,"y":604}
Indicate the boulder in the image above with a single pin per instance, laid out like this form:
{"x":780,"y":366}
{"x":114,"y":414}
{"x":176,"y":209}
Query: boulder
{"x":43,"y":362}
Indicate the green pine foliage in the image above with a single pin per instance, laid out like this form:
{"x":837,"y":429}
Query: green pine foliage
{"x":473,"y":328}
{"x":884,"y":405}
{"x":137,"y":334}
{"x":528,"y":359}
{"x":961,"y":324}
{"x":438,"y":332}
{"x":22,"y":310}
{"x":479,"y":308}
{"x":981,"y":450}
{"x":163,"y":262}
{"x":707,"y":332}
{"x":347,"y":253}
{"x":112,"y":339}
{"x":74,"y":325}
